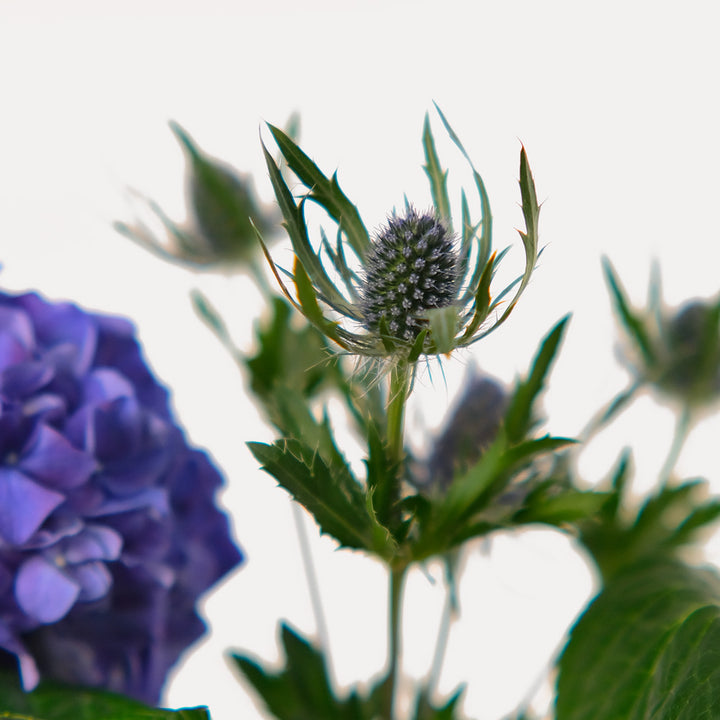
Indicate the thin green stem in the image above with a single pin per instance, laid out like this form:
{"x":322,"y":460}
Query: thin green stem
{"x":397,"y":576}
{"x":312,"y":582}
{"x":682,"y":428}
{"x":400,"y":377}
{"x":450,"y":613}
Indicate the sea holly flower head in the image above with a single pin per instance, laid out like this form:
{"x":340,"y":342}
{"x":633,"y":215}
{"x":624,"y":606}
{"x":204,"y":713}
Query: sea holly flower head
{"x":109,"y":531}
{"x":417,"y":287}
{"x":412,"y":268}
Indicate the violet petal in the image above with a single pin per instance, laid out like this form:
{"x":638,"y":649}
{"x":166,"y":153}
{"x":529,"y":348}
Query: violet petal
{"x":24,"y":505}
{"x":43,"y":591}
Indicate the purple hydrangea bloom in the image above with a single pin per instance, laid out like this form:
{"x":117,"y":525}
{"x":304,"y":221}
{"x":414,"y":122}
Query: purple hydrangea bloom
{"x":109,"y":530}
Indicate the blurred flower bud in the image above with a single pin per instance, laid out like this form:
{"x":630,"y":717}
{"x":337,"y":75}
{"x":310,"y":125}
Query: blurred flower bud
{"x":675,"y":349}
{"x":471,"y":428}
{"x":222,"y":209}
{"x":691,"y":353}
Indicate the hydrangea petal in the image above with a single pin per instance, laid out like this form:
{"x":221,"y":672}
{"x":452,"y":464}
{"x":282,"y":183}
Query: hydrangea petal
{"x":43,"y":591}
{"x":95,"y":542}
{"x":24,"y":505}
{"x":16,"y":324}
{"x":93,"y":578}
{"x":106,"y":384}
{"x":49,"y":457}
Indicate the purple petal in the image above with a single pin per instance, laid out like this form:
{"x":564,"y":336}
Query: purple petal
{"x":16,"y":323}
{"x":12,"y":353}
{"x":95,"y":542}
{"x":25,"y":378}
{"x":29,"y":673}
{"x":24,"y":505}
{"x":43,"y":591}
{"x":93,"y":578}
{"x":49,"y":457}
{"x":66,"y":329}
{"x":106,"y":384}
{"x":154,"y":499}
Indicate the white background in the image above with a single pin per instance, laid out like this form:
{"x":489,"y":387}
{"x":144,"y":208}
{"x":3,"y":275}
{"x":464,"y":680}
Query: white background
{"x":616,"y":104}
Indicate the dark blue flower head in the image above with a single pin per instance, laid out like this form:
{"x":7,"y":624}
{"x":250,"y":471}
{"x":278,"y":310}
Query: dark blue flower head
{"x":109,"y":530}
{"x":413,"y":267}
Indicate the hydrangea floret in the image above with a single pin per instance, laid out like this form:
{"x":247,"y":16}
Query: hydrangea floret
{"x":109,"y":530}
{"x":416,"y":287}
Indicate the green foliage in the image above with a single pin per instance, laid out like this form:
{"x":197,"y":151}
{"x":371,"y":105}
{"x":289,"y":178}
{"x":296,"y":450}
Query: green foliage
{"x":302,"y":689}
{"x":51,"y":701}
{"x":647,"y":647}
{"x":667,"y":520}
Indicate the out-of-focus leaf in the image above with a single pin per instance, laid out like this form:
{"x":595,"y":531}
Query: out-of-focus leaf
{"x":51,"y":701}
{"x":519,"y":418}
{"x":647,"y":647}
{"x":634,"y":326}
{"x":302,"y":689}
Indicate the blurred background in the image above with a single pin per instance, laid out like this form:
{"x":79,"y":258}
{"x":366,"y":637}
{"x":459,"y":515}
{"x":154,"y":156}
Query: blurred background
{"x":615,"y":105}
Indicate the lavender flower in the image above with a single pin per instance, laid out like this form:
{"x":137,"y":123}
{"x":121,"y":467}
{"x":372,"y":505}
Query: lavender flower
{"x":108,"y":528}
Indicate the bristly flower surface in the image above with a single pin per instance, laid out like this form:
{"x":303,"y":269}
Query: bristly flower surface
{"x":413,"y":267}
{"x":417,"y":288}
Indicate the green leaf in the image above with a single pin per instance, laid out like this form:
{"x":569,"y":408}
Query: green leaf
{"x":427,"y":710}
{"x":297,"y":230}
{"x":531,"y":213}
{"x":647,"y":647}
{"x":564,"y":506}
{"x":632,"y":323}
{"x":326,"y":192}
{"x":436,"y":175}
{"x":443,"y":326}
{"x":332,"y":495}
{"x":518,"y":418}
{"x":302,"y":689}
{"x":52,"y":701}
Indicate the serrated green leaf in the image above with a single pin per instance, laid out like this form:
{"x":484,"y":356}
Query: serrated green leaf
{"x":646,"y":648}
{"x":332,"y":495}
{"x":52,"y":701}
{"x":518,"y":418}
{"x":326,"y":192}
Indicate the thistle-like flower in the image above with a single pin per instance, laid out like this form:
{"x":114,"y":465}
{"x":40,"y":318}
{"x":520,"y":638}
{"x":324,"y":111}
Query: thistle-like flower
{"x":416,"y":287}
{"x":413,"y":267}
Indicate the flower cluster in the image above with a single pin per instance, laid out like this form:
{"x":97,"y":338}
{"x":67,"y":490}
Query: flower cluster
{"x":109,"y":530}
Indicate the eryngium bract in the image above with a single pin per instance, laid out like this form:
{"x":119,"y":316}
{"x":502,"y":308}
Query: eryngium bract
{"x":413,"y":267}
{"x":109,"y":531}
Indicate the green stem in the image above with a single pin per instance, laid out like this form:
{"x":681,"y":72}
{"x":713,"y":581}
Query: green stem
{"x":400,"y":377}
{"x":312,"y":582}
{"x":681,"y":431}
{"x":394,"y":620}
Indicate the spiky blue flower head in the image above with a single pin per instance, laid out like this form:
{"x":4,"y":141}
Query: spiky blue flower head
{"x":415,"y":288}
{"x":413,"y":267}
